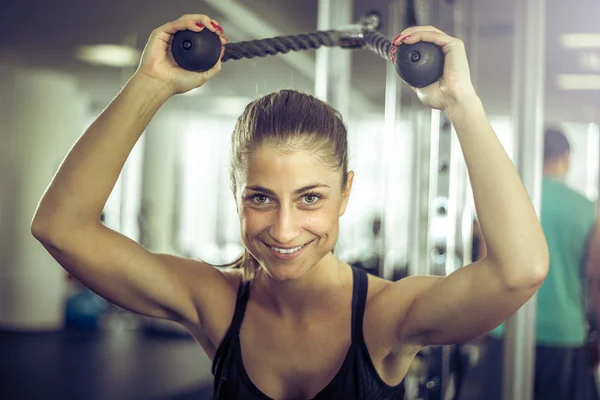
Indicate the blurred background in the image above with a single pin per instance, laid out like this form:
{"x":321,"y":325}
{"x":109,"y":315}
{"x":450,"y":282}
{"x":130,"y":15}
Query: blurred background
{"x":62,"y":62}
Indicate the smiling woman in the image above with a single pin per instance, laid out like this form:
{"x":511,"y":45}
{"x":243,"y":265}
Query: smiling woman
{"x":289,"y":175}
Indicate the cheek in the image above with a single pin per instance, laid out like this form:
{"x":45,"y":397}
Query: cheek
{"x":253,"y":222}
{"x":322,"y":221}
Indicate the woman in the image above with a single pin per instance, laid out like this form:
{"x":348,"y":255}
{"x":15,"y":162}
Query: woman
{"x":293,"y":321}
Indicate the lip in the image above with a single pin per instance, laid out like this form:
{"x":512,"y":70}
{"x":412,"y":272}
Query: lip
{"x":291,"y":256}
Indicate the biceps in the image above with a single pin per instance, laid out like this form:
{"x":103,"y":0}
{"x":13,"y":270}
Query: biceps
{"x":467,"y":304}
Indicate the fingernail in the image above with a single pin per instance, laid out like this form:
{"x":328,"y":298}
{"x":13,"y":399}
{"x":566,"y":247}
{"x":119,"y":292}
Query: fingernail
{"x":200,"y":25}
{"x":216,"y":26}
{"x":396,"y":38}
{"x":405,"y":37}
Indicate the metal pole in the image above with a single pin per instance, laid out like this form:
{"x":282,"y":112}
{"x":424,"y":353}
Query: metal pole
{"x":426,"y":141}
{"x":472,"y":43}
{"x":528,"y":115}
{"x":333,"y":65}
{"x":392,"y":104}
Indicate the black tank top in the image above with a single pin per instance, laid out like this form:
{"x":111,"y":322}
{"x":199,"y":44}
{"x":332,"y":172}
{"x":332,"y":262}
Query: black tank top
{"x":356,"y":379}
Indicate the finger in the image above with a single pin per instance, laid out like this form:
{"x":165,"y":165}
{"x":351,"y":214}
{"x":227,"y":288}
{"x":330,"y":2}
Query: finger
{"x":412,"y":30}
{"x":201,"y":19}
{"x":440,"y":39}
{"x":218,"y":29}
{"x":194,"y":22}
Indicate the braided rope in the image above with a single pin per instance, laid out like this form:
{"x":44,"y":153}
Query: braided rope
{"x":280,"y":44}
{"x":378,"y":44}
{"x":374,"y":41}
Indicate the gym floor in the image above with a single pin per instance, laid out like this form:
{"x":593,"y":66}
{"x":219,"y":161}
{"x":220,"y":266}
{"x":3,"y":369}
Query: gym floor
{"x":114,"y":364}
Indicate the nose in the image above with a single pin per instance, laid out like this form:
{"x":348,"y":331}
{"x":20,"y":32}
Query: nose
{"x":285,"y":227}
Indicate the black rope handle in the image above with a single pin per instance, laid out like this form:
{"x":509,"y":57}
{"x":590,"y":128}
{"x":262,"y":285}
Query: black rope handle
{"x":280,"y":45}
{"x":419,"y":64}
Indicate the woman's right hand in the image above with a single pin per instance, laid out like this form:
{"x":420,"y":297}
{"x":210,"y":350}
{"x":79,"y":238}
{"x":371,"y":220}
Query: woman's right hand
{"x":157,"y":61}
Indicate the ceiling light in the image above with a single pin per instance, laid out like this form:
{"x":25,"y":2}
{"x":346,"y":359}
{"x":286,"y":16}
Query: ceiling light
{"x":109,"y":55}
{"x":580,"y":40}
{"x":589,"y":61}
{"x":578,"y":82}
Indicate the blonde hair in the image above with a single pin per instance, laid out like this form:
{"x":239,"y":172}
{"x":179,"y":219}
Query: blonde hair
{"x":290,"y":121}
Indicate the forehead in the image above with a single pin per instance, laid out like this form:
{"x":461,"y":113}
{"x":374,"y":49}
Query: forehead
{"x":287,"y":171}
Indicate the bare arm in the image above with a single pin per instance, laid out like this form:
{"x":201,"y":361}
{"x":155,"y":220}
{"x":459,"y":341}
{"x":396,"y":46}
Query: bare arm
{"x":67,"y":218}
{"x":478,"y":297}
{"x":79,"y":190}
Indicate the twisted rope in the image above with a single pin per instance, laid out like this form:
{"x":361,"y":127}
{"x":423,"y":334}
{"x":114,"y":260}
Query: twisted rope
{"x":378,"y":44}
{"x":374,"y":41}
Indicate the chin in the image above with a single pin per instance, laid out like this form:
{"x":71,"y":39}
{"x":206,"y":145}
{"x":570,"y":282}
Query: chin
{"x":283,"y":272}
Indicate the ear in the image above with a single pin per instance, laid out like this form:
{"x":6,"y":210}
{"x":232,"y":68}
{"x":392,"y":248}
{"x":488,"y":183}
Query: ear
{"x":346,"y":193}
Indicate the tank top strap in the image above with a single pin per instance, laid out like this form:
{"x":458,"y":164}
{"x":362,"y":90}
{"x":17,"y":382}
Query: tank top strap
{"x":360,"y":289}
{"x":224,"y":354}
{"x":240,"y":307}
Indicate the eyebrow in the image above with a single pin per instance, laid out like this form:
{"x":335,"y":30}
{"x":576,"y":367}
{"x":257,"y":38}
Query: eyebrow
{"x":303,"y":189}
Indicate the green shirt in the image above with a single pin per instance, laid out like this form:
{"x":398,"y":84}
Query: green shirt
{"x":567,"y":218}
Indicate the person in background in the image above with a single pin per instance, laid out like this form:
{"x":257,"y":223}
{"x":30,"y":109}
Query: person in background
{"x":568,"y":218}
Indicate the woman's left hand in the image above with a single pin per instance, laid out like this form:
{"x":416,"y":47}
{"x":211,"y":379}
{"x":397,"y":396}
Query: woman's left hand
{"x":454,"y":87}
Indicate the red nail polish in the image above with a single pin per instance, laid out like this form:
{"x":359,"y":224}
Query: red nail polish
{"x":396,"y":38}
{"x":200,"y":25}
{"x":405,"y":37}
{"x":216,"y":26}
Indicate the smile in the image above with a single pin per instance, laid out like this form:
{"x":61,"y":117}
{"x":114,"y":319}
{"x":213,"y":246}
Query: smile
{"x":287,"y":253}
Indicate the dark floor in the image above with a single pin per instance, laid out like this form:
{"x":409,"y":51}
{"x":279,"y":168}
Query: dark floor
{"x":113,"y":364}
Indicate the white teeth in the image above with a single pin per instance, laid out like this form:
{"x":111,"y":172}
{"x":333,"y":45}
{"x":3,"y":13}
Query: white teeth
{"x":287,"y":251}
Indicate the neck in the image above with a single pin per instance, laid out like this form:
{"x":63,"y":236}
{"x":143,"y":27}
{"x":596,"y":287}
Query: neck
{"x":299,"y":297}
{"x":554,"y":174}
{"x":554,"y":171}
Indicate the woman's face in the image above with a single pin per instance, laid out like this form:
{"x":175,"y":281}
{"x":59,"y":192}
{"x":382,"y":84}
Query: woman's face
{"x":289,"y":207}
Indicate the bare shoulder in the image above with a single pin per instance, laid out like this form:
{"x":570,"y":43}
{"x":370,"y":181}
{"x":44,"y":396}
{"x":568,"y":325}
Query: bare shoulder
{"x":192,"y":271}
{"x":389,"y":302}
{"x":234,"y":276}
{"x":214,"y":291}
